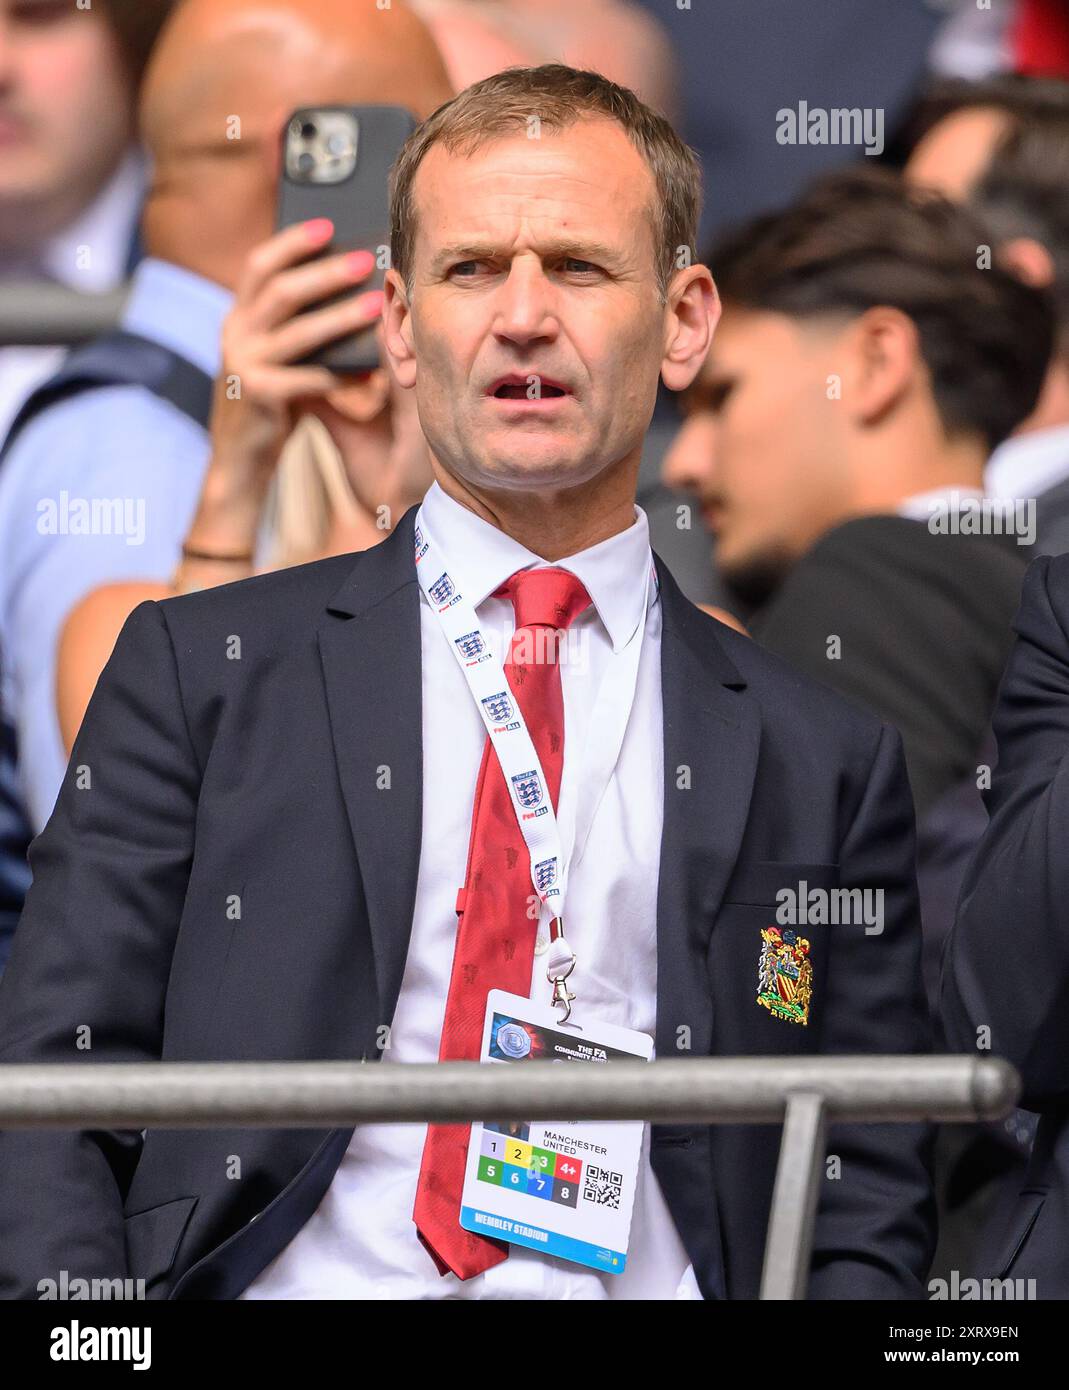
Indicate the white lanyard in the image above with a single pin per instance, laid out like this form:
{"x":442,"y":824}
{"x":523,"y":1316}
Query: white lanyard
{"x":555,"y":843}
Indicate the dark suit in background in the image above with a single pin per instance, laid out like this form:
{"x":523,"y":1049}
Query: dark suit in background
{"x":925,"y":626}
{"x":1007,"y":963}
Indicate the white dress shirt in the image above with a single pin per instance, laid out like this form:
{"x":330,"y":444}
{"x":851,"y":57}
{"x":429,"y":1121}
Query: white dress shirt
{"x":1027,"y":465}
{"x":921,"y":506}
{"x":362,"y":1242}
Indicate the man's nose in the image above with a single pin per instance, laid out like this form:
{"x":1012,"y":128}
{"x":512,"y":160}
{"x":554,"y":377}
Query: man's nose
{"x":524,"y":309}
{"x":690,"y":459}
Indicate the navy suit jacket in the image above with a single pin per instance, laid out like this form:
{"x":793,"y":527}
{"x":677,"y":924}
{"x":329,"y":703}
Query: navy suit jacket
{"x":1006,"y":970}
{"x":213,"y":774}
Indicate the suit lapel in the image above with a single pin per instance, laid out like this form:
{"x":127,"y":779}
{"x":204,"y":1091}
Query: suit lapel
{"x":370,"y":649}
{"x":711,"y":740}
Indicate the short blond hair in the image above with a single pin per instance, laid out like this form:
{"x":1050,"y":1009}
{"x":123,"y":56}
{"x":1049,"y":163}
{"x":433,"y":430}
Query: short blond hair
{"x":556,"y":96}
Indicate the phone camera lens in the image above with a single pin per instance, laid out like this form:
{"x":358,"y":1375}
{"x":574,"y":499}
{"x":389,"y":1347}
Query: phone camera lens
{"x":306,"y":162}
{"x":309,"y":130}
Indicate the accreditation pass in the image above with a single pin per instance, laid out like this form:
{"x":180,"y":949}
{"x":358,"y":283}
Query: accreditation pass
{"x":564,"y":1187}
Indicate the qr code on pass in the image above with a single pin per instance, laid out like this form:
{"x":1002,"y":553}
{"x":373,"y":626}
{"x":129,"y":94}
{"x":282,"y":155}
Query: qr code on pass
{"x":603,"y":1187}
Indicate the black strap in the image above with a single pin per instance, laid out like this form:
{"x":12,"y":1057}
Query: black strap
{"x":120,"y":358}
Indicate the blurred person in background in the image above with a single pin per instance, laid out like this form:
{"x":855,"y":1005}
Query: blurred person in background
{"x":1006,"y":971}
{"x":303,"y":464}
{"x":1002,"y":147}
{"x":71,"y":175}
{"x":864,"y":369}
{"x":71,"y":185}
{"x":139,"y":438}
{"x":616,"y":38}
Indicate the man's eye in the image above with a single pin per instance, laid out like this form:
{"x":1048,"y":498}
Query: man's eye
{"x":575,"y":266}
{"x":706,"y":398}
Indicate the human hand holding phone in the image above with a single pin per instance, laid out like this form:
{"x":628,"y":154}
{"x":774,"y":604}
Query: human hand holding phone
{"x":263,"y":387}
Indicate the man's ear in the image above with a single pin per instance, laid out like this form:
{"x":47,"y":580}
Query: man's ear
{"x":1029,"y":260}
{"x":397,"y":329}
{"x":691,"y":315}
{"x":883,"y":353}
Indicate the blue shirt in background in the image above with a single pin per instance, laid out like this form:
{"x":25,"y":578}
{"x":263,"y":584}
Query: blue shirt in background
{"x":141,"y":462}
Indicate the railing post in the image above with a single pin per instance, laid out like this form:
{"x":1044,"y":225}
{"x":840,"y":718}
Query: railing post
{"x":788,"y":1246}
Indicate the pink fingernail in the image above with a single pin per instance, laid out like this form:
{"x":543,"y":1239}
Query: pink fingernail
{"x":319,"y":229}
{"x":373,"y":303}
{"x":359,"y":262}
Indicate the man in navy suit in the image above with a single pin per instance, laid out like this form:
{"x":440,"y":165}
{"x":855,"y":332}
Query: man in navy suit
{"x":259,"y":849}
{"x":1006,"y":970}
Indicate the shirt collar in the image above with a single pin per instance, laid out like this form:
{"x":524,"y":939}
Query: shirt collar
{"x":1030,"y":463}
{"x":180,"y":310}
{"x":105,"y":227}
{"x":614,"y":572}
{"x":920,"y":506}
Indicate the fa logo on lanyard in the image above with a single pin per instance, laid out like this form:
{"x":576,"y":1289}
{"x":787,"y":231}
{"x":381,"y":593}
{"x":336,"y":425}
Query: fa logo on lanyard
{"x":528,"y":788}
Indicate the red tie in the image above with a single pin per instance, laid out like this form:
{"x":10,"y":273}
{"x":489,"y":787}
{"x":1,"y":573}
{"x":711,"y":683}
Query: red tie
{"x":495,"y":933}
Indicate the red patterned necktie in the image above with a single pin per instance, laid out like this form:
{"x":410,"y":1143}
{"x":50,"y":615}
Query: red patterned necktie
{"x":495,"y":932}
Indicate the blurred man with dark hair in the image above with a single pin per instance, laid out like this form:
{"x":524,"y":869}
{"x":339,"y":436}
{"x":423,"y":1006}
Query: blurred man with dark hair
{"x":864,"y":369}
{"x":71,"y":177}
{"x":1002,"y":146}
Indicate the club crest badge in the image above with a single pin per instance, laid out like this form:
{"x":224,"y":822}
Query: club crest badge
{"x":785,"y":974}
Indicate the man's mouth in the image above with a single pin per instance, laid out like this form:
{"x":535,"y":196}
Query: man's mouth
{"x":529,"y":387}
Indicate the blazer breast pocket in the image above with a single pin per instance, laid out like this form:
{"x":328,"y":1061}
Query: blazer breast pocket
{"x":768,"y":957}
{"x":762,"y":882}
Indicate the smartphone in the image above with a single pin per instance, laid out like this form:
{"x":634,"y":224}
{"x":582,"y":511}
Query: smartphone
{"x":335,"y":163}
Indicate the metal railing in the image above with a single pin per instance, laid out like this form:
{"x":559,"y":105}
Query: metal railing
{"x":34,"y":314}
{"x":802,"y":1094}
